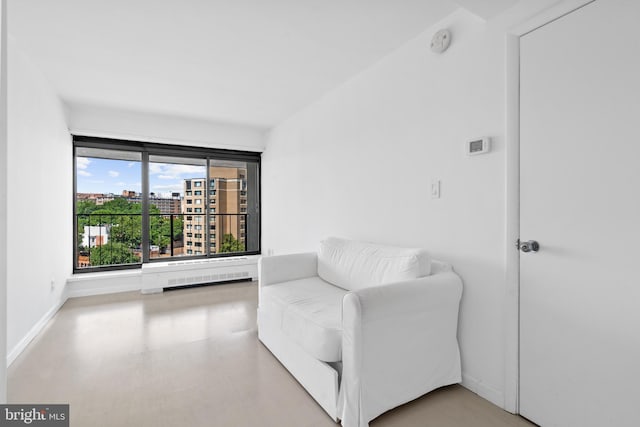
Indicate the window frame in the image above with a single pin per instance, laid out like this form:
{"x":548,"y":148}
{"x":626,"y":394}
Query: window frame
{"x":150,"y":148}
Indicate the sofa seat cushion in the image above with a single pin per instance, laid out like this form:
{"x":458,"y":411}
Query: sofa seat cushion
{"x":310,"y":313}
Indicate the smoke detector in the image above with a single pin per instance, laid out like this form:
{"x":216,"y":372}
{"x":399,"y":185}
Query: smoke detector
{"x":440,"y":41}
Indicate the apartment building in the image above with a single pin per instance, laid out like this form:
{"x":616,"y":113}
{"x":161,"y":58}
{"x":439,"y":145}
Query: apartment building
{"x":166,"y":205}
{"x":98,"y":198}
{"x":227,"y":211}
{"x":194,"y":210}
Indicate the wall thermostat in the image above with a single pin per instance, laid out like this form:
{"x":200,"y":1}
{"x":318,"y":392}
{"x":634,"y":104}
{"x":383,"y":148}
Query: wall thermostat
{"x":478,"y":146}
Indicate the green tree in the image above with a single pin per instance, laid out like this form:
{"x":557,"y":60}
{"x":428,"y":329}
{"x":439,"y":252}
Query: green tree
{"x":124,"y":219}
{"x":231,"y":244}
{"x":160,"y":229}
{"x":83,"y":208}
{"x":112,"y":253}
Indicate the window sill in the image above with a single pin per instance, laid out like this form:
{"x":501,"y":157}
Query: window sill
{"x":82,"y":277}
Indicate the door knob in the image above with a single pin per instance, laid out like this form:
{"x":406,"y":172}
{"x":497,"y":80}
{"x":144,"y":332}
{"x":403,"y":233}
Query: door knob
{"x":529,"y":246}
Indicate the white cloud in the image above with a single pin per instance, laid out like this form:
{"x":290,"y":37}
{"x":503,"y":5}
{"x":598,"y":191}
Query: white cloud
{"x":167,"y":188}
{"x":131,"y":164}
{"x":113,"y":174}
{"x":168,"y":171}
{"x":83,"y":173}
{"x":155,"y":168}
{"x":82,"y":162}
{"x":129,"y":185}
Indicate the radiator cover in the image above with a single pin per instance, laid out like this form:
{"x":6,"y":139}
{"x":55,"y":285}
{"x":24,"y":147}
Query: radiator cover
{"x":159,"y":275}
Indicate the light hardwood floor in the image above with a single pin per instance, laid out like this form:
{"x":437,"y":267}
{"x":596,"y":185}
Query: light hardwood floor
{"x":191,"y":357}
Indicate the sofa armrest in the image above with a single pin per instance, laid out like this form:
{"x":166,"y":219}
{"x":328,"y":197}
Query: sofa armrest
{"x":399,"y":342}
{"x":283,"y":268}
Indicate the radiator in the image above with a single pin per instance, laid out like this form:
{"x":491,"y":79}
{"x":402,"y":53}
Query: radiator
{"x":159,"y":275}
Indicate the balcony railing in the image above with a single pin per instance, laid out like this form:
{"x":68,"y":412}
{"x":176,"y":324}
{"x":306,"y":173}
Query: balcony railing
{"x":108,"y":240}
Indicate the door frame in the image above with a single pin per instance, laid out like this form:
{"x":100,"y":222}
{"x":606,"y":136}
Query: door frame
{"x":512,"y":214}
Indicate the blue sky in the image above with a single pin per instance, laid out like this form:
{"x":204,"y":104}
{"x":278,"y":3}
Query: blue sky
{"x":113,"y":176}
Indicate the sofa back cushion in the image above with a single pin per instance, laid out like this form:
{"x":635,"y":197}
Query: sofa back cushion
{"x":354,"y":265}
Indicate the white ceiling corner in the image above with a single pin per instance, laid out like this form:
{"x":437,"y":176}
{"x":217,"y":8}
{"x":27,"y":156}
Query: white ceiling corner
{"x":250,"y":62}
{"x":486,"y":9}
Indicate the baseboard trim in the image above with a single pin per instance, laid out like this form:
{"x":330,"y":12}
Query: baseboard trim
{"x":34,"y":331}
{"x":483,"y":390}
{"x":86,"y":285}
{"x":78,"y":291}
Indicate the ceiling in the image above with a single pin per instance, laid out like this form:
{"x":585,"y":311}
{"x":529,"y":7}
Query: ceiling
{"x":252,"y":62}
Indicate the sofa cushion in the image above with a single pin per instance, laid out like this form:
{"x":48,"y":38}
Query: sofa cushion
{"x":355,"y":265}
{"x":310,"y":313}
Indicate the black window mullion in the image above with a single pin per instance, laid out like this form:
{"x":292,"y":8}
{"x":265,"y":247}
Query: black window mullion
{"x":252,"y":216}
{"x":207,"y":204}
{"x":75,"y":252}
{"x":146,"y":248}
{"x":164,"y":149}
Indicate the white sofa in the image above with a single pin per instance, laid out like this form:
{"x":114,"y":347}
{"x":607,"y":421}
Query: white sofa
{"x":363,"y":327}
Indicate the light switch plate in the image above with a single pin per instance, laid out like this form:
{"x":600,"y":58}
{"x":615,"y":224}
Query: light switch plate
{"x":435,"y":188}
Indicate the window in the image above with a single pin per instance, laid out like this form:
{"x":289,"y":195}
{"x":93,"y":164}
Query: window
{"x":133,"y":202}
{"x":108,"y":224}
{"x":198,"y":236}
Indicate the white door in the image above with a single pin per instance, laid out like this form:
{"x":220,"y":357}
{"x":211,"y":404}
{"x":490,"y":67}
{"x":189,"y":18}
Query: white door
{"x":580,"y":199}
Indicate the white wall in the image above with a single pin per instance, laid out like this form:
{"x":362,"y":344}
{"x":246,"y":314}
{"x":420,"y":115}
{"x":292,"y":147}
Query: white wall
{"x":3,"y":199}
{"x":141,"y":126}
{"x":358,"y":163}
{"x":39,"y":201}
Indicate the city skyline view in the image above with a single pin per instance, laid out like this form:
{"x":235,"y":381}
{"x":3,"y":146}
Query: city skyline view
{"x":97,"y":175}
{"x":199,"y":206}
